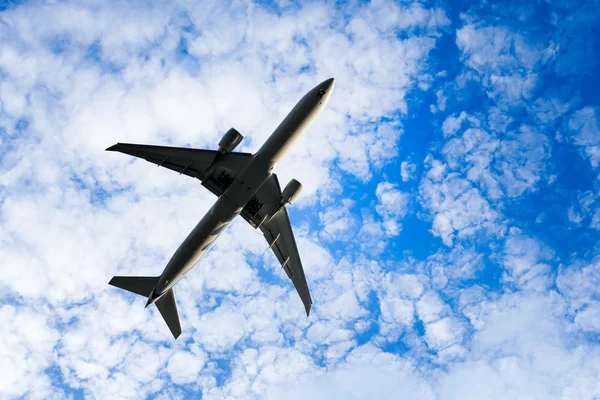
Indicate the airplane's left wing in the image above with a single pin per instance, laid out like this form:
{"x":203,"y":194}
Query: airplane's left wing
{"x":280,"y":236}
{"x":214,"y":169}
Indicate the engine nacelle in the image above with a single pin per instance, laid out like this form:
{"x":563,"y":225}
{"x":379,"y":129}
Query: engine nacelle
{"x":230,"y":141}
{"x":291,"y":192}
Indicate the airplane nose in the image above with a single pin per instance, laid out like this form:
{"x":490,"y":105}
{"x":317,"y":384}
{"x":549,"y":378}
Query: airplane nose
{"x":325,"y":88}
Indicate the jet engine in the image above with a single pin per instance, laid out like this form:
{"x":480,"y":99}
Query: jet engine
{"x":291,"y":192}
{"x":230,"y":141}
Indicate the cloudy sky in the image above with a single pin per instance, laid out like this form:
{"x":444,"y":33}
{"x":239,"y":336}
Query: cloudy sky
{"x":448,"y":228}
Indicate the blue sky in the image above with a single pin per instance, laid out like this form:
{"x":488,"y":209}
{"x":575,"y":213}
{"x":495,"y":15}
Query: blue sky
{"x":448,"y":226}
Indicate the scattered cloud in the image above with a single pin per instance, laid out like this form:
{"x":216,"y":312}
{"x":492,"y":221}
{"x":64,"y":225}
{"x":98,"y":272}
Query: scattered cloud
{"x":392,"y":206}
{"x":525,"y":260}
{"x":407,"y":171}
{"x":432,"y":273}
{"x":457,"y":207}
{"x":586,"y":134}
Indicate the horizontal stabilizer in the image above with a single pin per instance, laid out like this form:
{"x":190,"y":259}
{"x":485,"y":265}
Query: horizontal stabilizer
{"x":168,"y":309}
{"x":142,"y":285}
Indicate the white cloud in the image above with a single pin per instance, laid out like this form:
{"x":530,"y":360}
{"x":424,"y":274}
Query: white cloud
{"x":28,"y":338}
{"x":444,"y":333}
{"x":504,"y":60}
{"x":525,"y":260}
{"x":503,"y":167}
{"x":407,"y":171}
{"x":371,"y":148}
{"x":405,"y":285}
{"x":265,"y":367}
{"x":588,"y":320}
{"x":184,"y":367}
{"x":449,"y":268}
{"x":579,"y":283}
{"x":86,"y":76}
{"x":222,"y":328}
{"x":338,"y":222}
{"x":452,"y":124}
{"x":586,"y":134}
{"x":549,"y":109}
{"x":369,"y":373}
{"x":391,"y":200}
{"x":584,"y":210}
{"x":521,"y":348}
{"x":397,"y":304}
{"x":398,"y":311}
{"x":392,"y":206}
{"x":430,"y":307}
{"x":458,"y":209}
{"x":372,"y":233}
{"x":595,"y":223}
{"x":441,"y":100}
{"x":574,"y":216}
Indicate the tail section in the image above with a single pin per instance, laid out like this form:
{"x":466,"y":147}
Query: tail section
{"x":144,"y":286}
{"x":168,"y":309}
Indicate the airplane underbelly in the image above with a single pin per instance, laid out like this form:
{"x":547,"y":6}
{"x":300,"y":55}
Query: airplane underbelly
{"x":199,"y":241}
{"x":243,"y":188}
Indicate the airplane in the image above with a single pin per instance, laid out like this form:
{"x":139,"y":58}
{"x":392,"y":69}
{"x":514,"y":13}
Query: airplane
{"x":245,"y":185}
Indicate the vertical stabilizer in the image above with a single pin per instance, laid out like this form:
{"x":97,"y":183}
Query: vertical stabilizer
{"x":168,"y":309}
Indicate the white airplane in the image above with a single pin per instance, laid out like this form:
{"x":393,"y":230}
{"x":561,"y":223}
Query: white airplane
{"x":246,"y":185}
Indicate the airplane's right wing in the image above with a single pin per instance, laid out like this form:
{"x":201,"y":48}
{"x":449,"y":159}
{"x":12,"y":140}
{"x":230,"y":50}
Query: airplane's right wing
{"x":280,"y":236}
{"x":215,"y":170}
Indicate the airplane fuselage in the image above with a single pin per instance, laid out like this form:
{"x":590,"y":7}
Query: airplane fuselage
{"x":231,"y":203}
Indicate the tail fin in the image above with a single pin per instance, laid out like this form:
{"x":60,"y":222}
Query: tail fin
{"x":168,"y":309}
{"x":142,"y":285}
